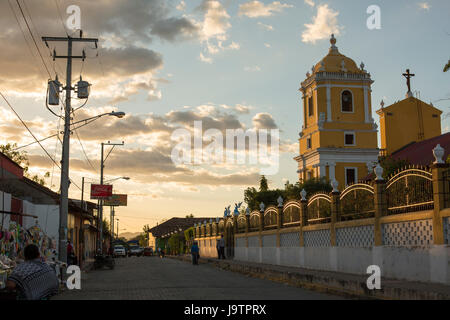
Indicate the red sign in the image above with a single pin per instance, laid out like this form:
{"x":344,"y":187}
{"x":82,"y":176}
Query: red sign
{"x":101,"y":192}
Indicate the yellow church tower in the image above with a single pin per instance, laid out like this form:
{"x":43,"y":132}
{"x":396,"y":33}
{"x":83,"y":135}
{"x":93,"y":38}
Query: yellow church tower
{"x":339,"y":136}
{"x":407,"y":121}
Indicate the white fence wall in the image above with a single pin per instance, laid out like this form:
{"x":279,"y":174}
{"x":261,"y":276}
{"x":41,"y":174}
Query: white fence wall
{"x":406,"y":252}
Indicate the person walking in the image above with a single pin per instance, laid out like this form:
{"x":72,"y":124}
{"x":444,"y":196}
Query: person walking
{"x":70,"y":254}
{"x":218,"y":248}
{"x":33,"y":279}
{"x":195,"y":252}
{"x":222,"y":247}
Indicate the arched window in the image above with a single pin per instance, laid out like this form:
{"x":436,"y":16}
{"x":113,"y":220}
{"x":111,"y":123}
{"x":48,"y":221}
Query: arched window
{"x":347,"y":101}
{"x":310,"y":107}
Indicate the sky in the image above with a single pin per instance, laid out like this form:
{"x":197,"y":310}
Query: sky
{"x":228,"y":64}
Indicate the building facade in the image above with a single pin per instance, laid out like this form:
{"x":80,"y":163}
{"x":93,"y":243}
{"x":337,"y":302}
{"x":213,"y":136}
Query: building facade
{"x":338,"y":140}
{"x":423,"y":119}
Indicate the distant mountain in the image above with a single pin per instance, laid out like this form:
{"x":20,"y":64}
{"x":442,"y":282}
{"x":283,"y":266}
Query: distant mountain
{"x":129,"y":235}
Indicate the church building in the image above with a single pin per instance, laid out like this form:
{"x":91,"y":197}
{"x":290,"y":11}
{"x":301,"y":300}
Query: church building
{"x":408,"y":121}
{"x":338,"y":140}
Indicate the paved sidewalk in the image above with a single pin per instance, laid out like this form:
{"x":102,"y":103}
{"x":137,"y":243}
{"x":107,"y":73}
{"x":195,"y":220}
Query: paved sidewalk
{"x":349,"y":285}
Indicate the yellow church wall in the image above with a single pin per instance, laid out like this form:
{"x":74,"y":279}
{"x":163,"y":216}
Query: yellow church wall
{"x":358,"y":105}
{"x":399,"y":124}
{"x":336,"y":139}
{"x":340,"y":172}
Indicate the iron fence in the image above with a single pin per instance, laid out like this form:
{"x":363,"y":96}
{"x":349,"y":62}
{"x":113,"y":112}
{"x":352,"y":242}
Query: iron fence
{"x":319,"y":209}
{"x":357,"y":202}
{"x":410,"y":190}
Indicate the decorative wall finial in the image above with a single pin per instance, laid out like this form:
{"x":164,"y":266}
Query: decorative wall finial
{"x":438,"y":153}
{"x":378,"y":172}
{"x":280,"y":202}
{"x":303,"y":194}
{"x":335,"y":185}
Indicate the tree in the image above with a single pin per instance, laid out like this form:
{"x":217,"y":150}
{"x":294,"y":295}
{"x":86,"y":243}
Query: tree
{"x":21,"y":158}
{"x":263,"y":184}
{"x":253,"y":197}
{"x":391,"y":165}
{"x":190,"y":216}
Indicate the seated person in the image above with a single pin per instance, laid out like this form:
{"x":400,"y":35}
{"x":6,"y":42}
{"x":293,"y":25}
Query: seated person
{"x":33,"y":279}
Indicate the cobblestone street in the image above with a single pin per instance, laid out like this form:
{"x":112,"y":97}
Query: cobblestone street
{"x":152,"y":278}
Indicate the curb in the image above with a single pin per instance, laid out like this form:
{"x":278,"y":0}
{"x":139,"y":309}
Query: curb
{"x":349,"y":286}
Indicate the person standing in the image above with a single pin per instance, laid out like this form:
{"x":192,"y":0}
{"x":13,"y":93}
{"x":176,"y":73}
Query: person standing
{"x":222,"y":247}
{"x":70,"y":254}
{"x":218,"y":248}
{"x":195,"y":252}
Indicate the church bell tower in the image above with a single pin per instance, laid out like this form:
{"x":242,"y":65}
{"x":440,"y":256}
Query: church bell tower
{"x":338,"y":140}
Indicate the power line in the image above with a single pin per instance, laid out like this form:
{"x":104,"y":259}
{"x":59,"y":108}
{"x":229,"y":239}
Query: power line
{"x":37,"y":141}
{"x":82,"y":147}
{"x":32,"y":36}
{"x":60,"y":17}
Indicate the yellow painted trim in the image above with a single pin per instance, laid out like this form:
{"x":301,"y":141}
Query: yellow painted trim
{"x":291,"y":229}
{"x":407,"y":217}
{"x":269,"y":232}
{"x":445,"y":213}
{"x":317,"y":227}
{"x":355,"y":223}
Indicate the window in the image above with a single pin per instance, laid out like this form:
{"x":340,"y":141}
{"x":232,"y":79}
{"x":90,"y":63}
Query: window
{"x":350,"y":176}
{"x":310,"y":106}
{"x":347,"y":101}
{"x":308,"y":143}
{"x":349,"y":139}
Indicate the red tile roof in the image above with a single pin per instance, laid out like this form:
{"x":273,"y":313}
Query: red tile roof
{"x":421,"y":153}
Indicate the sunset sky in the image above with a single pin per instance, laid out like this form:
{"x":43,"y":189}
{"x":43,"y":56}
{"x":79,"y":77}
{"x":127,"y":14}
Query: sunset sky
{"x":229,"y":64}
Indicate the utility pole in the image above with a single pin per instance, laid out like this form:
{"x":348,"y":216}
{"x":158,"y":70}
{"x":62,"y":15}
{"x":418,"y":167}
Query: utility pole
{"x":117,"y":228}
{"x":64,"y":195}
{"x":102,"y":166}
{"x":112,"y":224}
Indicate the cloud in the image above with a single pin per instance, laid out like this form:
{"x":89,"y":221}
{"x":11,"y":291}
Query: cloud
{"x":214,"y":30}
{"x":257,"y":9}
{"x":310,"y":3}
{"x":324,"y":24}
{"x":264,"y":121}
{"x":125,"y":30}
{"x":205,"y":59}
{"x":265,"y":26}
{"x":181,"y":6}
{"x":424,"y":6}
{"x":252,"y":69}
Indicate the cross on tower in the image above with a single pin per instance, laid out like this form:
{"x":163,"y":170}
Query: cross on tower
{"x":408,"y":77}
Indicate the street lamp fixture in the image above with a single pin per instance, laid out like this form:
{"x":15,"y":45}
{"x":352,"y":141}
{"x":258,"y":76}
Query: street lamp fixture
{"x":118,"y":114}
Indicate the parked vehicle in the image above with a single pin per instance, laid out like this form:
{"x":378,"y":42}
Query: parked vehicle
{"x":119,"y":251}
{"x":135,"y":251}
{"x":148,"y":252}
